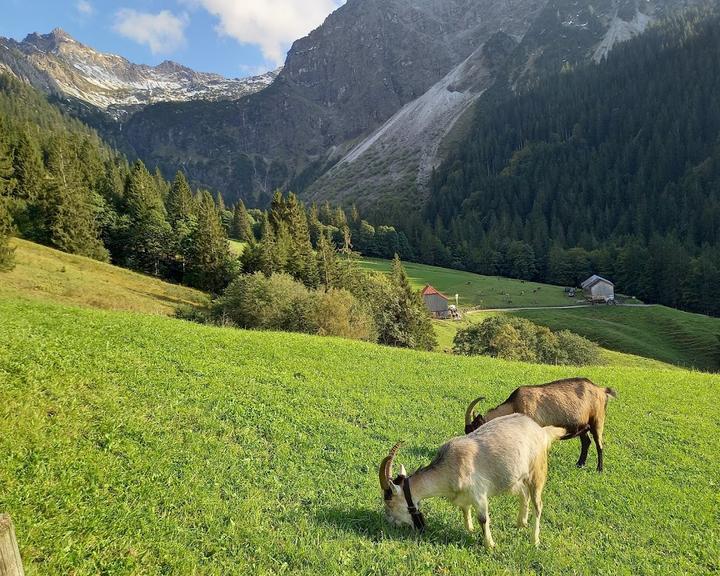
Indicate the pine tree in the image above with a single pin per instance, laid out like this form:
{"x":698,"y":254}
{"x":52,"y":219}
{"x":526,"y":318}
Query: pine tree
{"x":301,"y":262}
{"x":6,"y":183}
{"x":149,"y":232}
{"x":72,"y":208}
{"x":241,"y":228}
{"x":413,"y":324}
{"x":182,"y":219}
{"x":327,"y":262}
{"x":209,"y":260}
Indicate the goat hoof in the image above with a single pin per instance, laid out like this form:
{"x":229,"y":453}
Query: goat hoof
{"x":580,"y":464}
{"x":522,"y":524}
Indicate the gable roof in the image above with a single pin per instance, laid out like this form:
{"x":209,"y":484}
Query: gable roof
{"x":594,"y":279}
{"x":431,"y":291}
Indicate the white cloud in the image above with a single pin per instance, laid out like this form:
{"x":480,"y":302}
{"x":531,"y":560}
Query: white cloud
{"x":162,"y":32}
{"x":85,"y":8}
{"x":270,"y":24}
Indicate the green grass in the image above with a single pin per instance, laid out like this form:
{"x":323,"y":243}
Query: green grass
{"x":52,"y":276}
{"x":135,"y":444}
{"x":476,"y":290}
{"x":236,"y":247}
{"x":665,"y":334}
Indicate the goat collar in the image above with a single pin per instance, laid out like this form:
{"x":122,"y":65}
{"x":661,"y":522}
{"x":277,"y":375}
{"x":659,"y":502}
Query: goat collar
{"x":417,"y":516}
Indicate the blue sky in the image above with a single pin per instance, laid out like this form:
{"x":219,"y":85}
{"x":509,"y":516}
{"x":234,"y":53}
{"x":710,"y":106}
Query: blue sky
{"x":235,"y":38}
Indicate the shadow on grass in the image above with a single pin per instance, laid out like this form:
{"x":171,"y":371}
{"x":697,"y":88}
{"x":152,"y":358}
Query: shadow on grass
{"x":371,"y":525}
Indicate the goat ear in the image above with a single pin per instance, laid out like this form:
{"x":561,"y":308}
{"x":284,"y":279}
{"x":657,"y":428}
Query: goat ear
{"x":396,"y":490}
{"x":403,"y":472}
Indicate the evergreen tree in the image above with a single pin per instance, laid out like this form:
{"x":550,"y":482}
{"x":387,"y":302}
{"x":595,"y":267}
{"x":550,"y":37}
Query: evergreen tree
{"x":327,"y":263}
{"x":149,"y":234}
{"x":6,"y":183}
{"x":182,"y":219}
{"x":301,"y":262}
{"x":209,"y":261}
{"x":241,"y":228}
{"x":72,"y":208}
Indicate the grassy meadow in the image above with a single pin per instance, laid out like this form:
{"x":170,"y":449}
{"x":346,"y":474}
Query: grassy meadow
{"x":49,"y":275}
{"x":476,"y":290}
{"x":665,"y":334}
{"x":137,"y":444}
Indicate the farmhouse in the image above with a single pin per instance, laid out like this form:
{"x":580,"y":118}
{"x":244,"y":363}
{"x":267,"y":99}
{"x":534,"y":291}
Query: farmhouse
{"x":598,"y":288}
{"x":436,"y":302}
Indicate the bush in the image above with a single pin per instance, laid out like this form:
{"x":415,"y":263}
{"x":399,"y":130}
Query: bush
{"x":279,"y":302}
{"x":519,"y":339}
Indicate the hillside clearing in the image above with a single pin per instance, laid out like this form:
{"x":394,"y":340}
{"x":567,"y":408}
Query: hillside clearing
{"x":476,"y":290}
{"x":137,"y":444}
{"x":668,"y":335}
{"x":46,"y":274}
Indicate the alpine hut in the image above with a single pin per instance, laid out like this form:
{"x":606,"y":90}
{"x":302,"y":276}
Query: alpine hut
{"x":598,"y":289}
{"x":436,"y":302}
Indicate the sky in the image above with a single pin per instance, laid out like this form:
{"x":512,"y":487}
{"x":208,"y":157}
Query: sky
{"x":235,"y":38}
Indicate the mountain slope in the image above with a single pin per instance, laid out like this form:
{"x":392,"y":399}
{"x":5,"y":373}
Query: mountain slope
{"x":393,"y":165}
{"x":57,"y":63}
{"x":369,"y":58}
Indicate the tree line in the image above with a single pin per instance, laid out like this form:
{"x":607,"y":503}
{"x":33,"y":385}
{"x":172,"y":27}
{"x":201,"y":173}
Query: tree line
{"x":61,"y":186}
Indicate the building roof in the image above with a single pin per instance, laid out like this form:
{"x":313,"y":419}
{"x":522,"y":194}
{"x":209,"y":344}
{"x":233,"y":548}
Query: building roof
{"x":430,"y":291}
{"x":594,"y":279}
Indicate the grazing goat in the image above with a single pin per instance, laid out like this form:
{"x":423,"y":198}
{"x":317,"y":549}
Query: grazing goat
{"x":575,"y":404}
{"x":506,"y":455}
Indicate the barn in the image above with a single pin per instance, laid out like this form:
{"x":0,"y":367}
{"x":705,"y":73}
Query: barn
{"x":597,"y":288}
{"x":436,"y":302}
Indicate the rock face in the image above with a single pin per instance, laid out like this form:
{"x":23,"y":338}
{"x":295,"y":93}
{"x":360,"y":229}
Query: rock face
{"x":57,"y":63}
{"x":391,"y":167}
{"x":344,"y":80}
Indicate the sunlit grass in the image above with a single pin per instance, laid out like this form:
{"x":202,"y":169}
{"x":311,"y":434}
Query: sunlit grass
{"x":137,"y":444}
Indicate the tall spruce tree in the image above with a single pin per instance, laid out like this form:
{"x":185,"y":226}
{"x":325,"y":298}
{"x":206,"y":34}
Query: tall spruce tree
{"x":149,"y":235}
{"x":6,"y":183}
{"x":209,"y":264}
{"x":72,"y":207}
{"x":301,"y":263}
{"x":241,"y":228}
{"x":182,"y":219}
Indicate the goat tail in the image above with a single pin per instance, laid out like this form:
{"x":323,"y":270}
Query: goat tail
{"x":611,"y":393}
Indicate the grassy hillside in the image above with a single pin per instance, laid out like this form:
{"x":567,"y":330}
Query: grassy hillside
{"x":669,"y":335}
{"x":476,"y":290}
{"x":50,"y":275}
{"x":137,"y":444}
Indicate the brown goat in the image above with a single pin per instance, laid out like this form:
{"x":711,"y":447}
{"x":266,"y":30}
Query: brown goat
{"x":575,"y":404}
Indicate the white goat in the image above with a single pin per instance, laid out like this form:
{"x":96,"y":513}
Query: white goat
{"x":508,"y":454}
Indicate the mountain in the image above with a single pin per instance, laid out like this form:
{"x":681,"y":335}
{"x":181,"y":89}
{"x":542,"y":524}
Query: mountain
{"x":58,"y":64}
{"x":367,"y":106}
{"x":368,"y":60}
{"x":389,"y":170}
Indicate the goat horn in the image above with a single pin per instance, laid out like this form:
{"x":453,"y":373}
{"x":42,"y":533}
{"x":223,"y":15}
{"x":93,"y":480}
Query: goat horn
{"x":386,"y":467}
{"x":469,"y":415}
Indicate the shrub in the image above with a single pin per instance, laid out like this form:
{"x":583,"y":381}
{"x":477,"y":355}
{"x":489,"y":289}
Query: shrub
{"x":519,"y":339}
{"x":281,"y":303}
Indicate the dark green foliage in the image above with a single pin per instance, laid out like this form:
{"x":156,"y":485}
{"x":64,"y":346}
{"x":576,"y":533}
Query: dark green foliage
{"x":149,"y":234}
{"x":513,"y":338}
{"x":241,"y":228}
{"x":282,"y":303}
{"x":209,"y":261}
{"x":612,"y":168}
{"x":6,"y":184}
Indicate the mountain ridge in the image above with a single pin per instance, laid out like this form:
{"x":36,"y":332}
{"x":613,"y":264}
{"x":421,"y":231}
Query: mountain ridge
{"x":59,"y":64}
